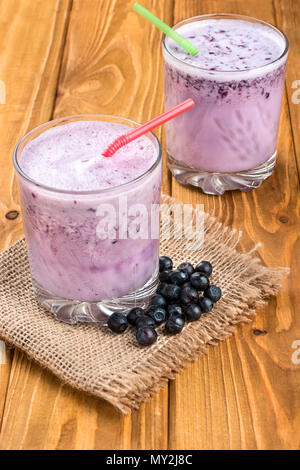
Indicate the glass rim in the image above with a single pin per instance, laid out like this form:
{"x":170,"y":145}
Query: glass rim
{"x":229,"y":15}
{"x":77,"y":117}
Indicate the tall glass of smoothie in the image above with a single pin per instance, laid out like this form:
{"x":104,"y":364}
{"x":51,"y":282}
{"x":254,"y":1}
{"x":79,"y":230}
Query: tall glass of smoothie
{"x":91,"y":222}
{"x":229,"y":139}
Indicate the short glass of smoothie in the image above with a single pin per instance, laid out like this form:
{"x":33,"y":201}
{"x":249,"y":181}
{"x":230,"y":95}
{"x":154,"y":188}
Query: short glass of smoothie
{"x":91,"y":223}
{"x":229,"y":139}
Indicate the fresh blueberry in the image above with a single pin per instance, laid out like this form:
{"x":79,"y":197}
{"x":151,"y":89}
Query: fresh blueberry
{"x":117,"y":322}
{"x":188,"y":295}
{"x":161,"y":288}
{"x":165,"y":263}
{"x":186,"y":284}
{"x":186,"y":267}
{"x":205,"y":304}
{"x":159,"y":301}
{"x":134,"y":314}
{"x":213,"y":292}
{"x":144,"y":322}
{"x":164,"y":276}
{"x":175,"y":309}
{"x":204,"y":267}
{"x":146,"y":336}
{"x":174,"y":324}
{"x":172,"y":292}
{"x":193,"y":312}
{"x":179,"y":277}
{"x":158,"y":314}
{"x":199,"y":281}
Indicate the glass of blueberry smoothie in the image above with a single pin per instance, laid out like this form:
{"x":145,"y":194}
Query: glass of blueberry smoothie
{"x":228,"y":140}
{"x":91,"y":222}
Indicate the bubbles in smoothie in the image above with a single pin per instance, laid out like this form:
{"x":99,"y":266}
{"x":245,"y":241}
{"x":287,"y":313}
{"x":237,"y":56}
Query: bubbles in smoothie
{"x":70,"y":157}
{"x":229,"y":45}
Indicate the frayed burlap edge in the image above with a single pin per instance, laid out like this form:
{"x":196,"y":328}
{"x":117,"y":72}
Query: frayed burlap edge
{"x":256,"y":284}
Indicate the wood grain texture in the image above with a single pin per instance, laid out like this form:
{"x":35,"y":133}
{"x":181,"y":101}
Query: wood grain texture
{"x":42,"y":413}
{"x":31,"y":50}
{"x":245,"y":393}
{"x":247,"y":390}
{"x":287,"y":17}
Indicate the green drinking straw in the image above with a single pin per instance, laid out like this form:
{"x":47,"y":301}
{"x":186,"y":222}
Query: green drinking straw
{"x":184,"y":43}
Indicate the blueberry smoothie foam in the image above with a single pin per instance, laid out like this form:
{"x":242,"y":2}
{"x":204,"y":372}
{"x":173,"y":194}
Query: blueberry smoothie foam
{"x":71,"y":180}
{"x":236,"y":81}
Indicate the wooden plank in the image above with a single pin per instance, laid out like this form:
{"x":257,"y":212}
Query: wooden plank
{"x":287,"y":18}
{"x":42,"y":413}
{"x":30,"y":54}
{"x":244,"y":394}
{"x":105,"y":70}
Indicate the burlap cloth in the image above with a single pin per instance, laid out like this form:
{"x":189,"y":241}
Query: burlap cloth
{"x":113,"y":367}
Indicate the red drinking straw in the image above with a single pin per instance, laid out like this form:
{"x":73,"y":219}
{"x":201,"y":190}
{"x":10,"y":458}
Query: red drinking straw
{"x":148,"y":126}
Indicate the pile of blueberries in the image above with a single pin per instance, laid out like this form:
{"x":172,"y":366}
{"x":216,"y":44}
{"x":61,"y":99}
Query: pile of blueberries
{"x":177,"y":300}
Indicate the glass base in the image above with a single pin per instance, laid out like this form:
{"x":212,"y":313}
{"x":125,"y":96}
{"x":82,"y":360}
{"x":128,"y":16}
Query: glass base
{"x":218,"y":183}
{"x":74,"y":311}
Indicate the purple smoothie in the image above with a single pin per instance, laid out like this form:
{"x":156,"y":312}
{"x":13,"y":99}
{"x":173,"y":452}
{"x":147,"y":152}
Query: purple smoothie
{"x":67,"y":257}
{"x":237,"y":82}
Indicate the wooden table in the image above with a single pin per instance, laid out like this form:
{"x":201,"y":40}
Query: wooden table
{"x":62,"y":57}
